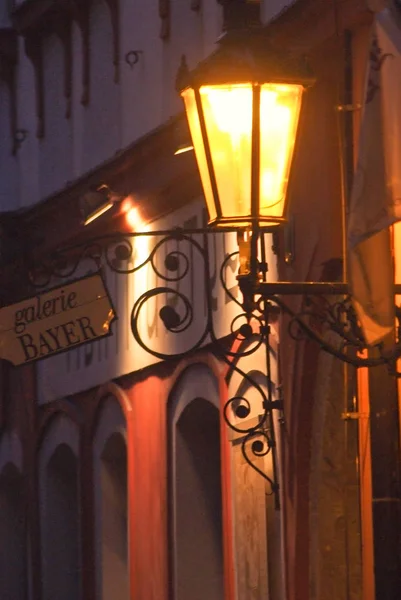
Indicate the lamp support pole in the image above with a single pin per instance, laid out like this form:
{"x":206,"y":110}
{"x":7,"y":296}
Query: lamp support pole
{"x":315,"y":288}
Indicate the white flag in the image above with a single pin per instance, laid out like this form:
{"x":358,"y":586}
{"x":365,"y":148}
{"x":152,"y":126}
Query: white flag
{"x":376,"y":195}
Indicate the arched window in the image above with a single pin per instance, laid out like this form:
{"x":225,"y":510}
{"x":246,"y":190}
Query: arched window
{"x":196,"y":532}
{"x":13,"y":560}
{"x":111,"y":514}
{"x":59,"y":512}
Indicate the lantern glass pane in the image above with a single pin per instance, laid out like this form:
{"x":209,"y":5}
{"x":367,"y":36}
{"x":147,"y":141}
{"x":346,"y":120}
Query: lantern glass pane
{"x":199,"y":148}
{"x":279,"y":114}
{"x":227,"y":111}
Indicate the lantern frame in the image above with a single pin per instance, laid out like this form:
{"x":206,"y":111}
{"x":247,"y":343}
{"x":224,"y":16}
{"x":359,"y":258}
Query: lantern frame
{"x":242,"y":58}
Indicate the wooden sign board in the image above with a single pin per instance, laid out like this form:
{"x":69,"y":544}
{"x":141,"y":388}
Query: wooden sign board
{"x":55,"y":321}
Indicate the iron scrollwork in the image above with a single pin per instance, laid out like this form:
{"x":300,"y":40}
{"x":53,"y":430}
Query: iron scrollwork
{"x":181,"y":254}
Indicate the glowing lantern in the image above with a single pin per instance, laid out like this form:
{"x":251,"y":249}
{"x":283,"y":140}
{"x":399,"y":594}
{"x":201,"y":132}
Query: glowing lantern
{"x":243,"y":105}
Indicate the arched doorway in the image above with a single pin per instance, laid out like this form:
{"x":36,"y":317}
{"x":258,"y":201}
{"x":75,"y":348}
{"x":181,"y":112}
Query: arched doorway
{"x":196,"y":497}
{"x":111,"y":506}
{"x":13,"y":560}
{"x":60,"y":527}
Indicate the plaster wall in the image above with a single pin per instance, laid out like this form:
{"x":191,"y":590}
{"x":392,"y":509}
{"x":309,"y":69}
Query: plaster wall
{"x":27,"y":157}
{"x":125,"y":102}
{"x":4,"y":20}
{"x":270,"y":9}
{"x":8,"y":185}
{"x":55,"y":156}
{"x":100,"y":133}
{"x":10,"y":450}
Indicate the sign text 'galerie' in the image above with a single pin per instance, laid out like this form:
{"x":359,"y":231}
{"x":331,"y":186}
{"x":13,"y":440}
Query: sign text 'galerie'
{"x":55,"y":321}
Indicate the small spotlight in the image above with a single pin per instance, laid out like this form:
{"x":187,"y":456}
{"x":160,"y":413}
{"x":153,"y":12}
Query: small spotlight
{"x":98,"y":212}
{"x":96,"y":202}
{"x":183,"y":148}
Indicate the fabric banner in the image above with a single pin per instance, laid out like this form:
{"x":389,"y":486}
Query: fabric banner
{"x":376,"y":195}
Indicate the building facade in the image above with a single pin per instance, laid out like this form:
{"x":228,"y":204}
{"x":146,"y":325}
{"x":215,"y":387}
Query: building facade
{"x":119,"y":477}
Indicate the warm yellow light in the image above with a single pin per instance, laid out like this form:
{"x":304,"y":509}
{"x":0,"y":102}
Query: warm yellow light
{"x":184,"y":148}
{"x":227,"y":113}
{"x":279,"y":113}
{"x":132,"y":213}
{"x":133,"y":218}
{"x":231,"y":106}
{"x":228,"y":117}
{"x":188,"y":96}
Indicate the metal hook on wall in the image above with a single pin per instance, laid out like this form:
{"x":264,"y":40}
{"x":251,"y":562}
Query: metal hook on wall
{"x":132,"y":57}
{"x":20,"y":136}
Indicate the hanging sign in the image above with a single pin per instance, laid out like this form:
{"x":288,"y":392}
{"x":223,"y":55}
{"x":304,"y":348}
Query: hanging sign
{"x":55,"y":321}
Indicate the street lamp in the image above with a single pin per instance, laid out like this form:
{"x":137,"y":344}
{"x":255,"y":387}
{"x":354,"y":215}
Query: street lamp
{"x":243,"y":105}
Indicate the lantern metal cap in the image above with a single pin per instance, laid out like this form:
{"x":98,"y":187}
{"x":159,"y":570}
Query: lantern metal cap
{"x":245,"y":56}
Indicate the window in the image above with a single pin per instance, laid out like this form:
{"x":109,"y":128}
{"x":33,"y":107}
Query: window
{"x":13,"y":562}
{"x":196,"y":520}
{"x":59,"y":511}
{"x":60,"y":527}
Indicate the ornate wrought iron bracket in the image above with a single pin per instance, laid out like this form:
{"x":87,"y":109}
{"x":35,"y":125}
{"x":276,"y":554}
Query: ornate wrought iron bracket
{"x":327,"y":307}
{"x":326,"y":316}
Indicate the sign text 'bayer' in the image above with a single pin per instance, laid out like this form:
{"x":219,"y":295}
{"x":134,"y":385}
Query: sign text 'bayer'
{"x":55,"y":321}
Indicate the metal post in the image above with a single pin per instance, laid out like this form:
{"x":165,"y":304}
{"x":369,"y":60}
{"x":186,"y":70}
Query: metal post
{"x":315,"y":288}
